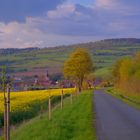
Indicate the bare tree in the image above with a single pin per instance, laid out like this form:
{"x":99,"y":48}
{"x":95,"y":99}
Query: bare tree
{"x":6,"y":93}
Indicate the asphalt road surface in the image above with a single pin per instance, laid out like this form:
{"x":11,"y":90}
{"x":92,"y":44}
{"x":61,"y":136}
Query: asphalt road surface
{"x":115,"y":120}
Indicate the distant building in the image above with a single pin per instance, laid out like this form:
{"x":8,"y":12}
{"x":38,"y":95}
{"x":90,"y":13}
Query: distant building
{"x":43,"y":80}
{"x":47,"y":76}
{"x":35,"y":82}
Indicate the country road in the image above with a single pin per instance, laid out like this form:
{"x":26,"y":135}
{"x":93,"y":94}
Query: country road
{"x":115,"y":120}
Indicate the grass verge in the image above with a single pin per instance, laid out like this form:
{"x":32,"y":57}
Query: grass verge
{"x":74,"y":122}
{"x":130,"y":99}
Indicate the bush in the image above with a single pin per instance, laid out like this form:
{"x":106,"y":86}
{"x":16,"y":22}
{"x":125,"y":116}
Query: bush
{"x":127,"y":74}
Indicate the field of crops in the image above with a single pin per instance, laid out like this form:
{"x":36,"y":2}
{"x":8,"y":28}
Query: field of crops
{"x":27,"y":104}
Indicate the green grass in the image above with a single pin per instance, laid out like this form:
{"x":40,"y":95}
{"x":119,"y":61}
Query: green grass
{"x":103,"y":72}
{"x":130,"y":99}
{"x":74,"y":122}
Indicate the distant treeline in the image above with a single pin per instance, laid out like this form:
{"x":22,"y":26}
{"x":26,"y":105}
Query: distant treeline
{"x":16,"y":50}
{"x":127,"y":74}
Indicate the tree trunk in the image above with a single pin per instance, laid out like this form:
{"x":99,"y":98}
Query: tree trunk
{"x":8,"y":112}
{"x":79,"y":89}
{"x":5,"y":119}
{"x":5,"y":115}
{"x":80,"y":82}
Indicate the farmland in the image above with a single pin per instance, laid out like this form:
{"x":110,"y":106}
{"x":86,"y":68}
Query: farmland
{"x":35,"y":60}
{"x":25,"y":105}
{"x":74,"y":122}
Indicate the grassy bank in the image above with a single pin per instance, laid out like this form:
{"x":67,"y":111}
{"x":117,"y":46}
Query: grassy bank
{"x":129,"y":98}
{"x":74,"y":122}
{"x":27,"y":104}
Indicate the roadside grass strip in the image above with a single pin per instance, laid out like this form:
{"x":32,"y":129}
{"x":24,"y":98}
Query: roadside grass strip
{"x":129,"y":98}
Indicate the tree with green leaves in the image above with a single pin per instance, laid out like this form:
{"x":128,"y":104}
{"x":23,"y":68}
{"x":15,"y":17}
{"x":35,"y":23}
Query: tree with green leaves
{"x":78,"y":66}
{"x":127,"y":73}
{"x":5,"y":81}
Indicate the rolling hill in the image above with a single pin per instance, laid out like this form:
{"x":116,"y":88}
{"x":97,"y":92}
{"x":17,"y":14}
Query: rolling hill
{"x":32,"y":61}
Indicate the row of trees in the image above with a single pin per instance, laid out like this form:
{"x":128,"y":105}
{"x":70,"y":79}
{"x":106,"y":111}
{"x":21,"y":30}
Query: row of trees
{"x":127,"y":74}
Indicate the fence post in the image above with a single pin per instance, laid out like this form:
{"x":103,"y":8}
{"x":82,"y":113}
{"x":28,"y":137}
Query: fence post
{"x":62,"y":99}
{"x":49,"y":107}
{"x":71,"y":98}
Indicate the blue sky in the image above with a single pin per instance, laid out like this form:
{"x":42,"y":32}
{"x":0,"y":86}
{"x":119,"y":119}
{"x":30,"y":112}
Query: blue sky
{"x":48,"y":23}
{"x":82,"y":2}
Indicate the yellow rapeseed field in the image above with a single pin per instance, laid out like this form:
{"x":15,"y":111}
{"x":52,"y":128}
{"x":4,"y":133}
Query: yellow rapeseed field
{"x":21,"y":101}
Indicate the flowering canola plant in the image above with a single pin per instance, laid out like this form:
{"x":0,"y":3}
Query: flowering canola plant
{"x":21,"y":101}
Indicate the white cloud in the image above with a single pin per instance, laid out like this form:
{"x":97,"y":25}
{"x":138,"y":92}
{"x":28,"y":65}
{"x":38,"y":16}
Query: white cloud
{"x":17,"y":28}
{"x":19,"y":35}
{"x":122,"y":7}
{"x":106,"y":3}
{"x":69,"y":24}
{"x":62,"y":11}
